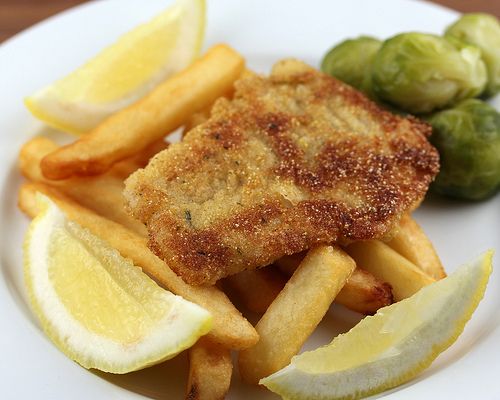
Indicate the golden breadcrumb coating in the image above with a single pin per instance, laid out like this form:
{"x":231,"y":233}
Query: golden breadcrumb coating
{"x":292,"y":161}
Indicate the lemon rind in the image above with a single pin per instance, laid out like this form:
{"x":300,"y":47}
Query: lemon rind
{"x":179,"y":330}
{"x":293,"y":382}
{"x":77,"y":117}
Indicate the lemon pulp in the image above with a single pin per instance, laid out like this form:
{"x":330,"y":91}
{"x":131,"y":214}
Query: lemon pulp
{"x":123,"y":72}
{"x":390,"y":347}
{"x":98,"y":308}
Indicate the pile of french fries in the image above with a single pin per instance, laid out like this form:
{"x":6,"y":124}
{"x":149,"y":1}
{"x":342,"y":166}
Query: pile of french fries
{"x":85,"y":179}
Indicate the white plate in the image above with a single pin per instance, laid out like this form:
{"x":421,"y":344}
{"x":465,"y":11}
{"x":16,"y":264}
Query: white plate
{"x":263,"y":31}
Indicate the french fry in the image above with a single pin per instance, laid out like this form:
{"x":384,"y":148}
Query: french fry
{"x":201,"y":116}
{"x":288,"y":264}
{"x":296,"y":312}
{"x":135,"y":127}
{"x":411,"y":242}
{"x":256,"y":289}
{"x":362,"y":292}
{"x":210,"y":369}
{"x":141,"y":159}
{"x":102,"y":194}
{"x":35,"y":149}
{"x":230,"y":328}
{"x":388,"y":265}
{"x":195,"y":120}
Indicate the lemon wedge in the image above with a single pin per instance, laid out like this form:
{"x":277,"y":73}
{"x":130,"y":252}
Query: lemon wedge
{"x":392,"y":346}
{"x":123,"y":72}
{"x":96,"y":306}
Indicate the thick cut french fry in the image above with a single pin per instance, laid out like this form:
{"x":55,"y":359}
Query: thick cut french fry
{"x":411,"y":242}
{"x":388,"y":265}
{"x":256,"y":289}
{"x":195,"y":120}
{"x":210,"y":369}
{"x":288,"y":264}
{"x":163,"y":110}
{"x":203,"y":115}
{"x":102,"y":194}
{"x":141,"y":159}
{"x":362,"y":292}
{"x":230,"y":328}
{"x":297,"y":310}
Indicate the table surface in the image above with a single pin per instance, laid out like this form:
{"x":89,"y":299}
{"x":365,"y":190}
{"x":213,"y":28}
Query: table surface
{"x":16,"y":15}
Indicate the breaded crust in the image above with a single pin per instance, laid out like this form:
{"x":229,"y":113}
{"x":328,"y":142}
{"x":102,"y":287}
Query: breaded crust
{"x":294,"y":160}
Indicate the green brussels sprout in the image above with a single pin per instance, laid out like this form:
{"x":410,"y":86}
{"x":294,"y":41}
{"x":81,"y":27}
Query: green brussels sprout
{"x":419,"y":72}
{"x":468,"y":140}
{"x":483,"y":31}
{"x":350,"y":61}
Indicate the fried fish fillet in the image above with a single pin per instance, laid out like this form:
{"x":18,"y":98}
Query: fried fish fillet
{"x":292,"y":161}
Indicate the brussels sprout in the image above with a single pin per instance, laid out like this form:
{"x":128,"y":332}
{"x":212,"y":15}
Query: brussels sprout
{"x":420,"y":72}
{"x":483,"y":31}
{"x":350,"y":61}
{"x":468,"y":140}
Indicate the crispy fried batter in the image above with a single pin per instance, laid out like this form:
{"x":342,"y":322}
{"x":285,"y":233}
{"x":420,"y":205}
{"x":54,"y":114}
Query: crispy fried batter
{"x":293,"y":160}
